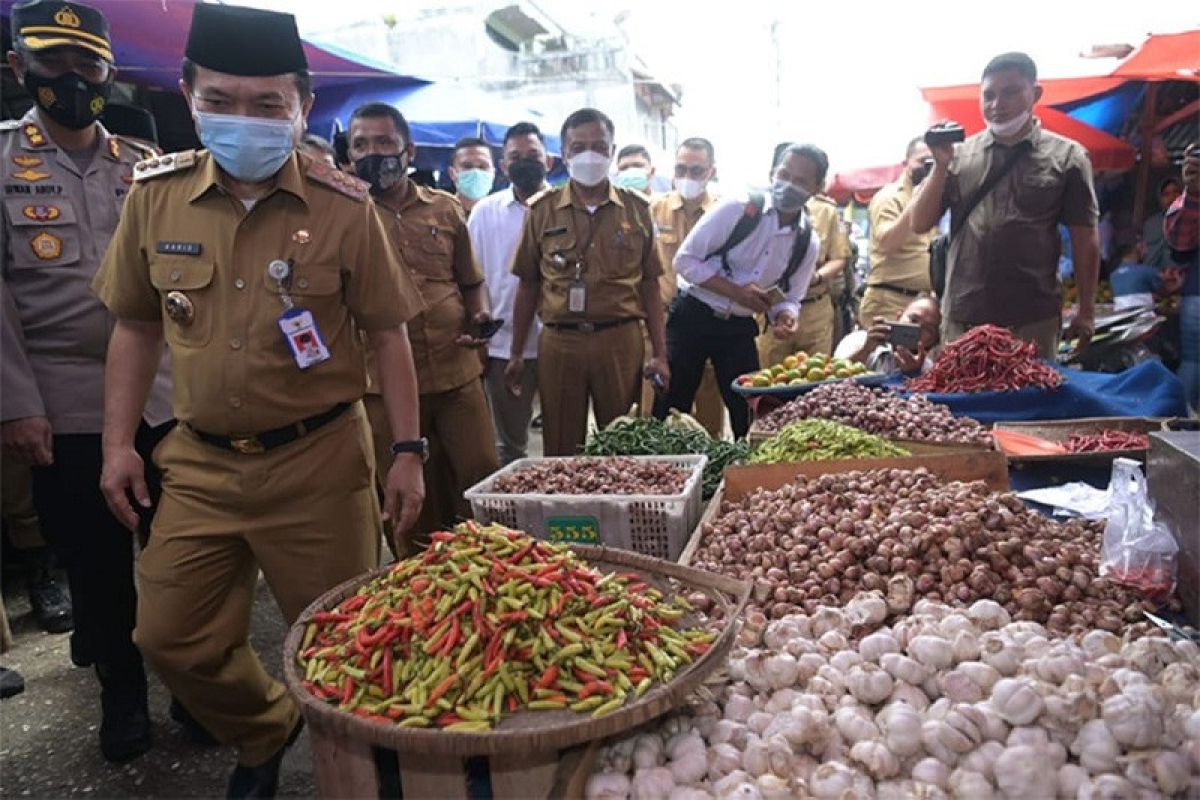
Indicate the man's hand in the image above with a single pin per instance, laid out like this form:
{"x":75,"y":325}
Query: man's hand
{"x":878,"y":333}
{"x":29,"y":440}
{"x":404,"y":492}
{"x":943,"y":154}
{"x":910,"y":363}
{"x":658,"y":367}
{"x":753,"y":297}
{"x":785,"y":325}
{"x":467,"y":340}
{"x":513,"y":372}
{"x":1083,"y":327}
{"x":123,"y":473}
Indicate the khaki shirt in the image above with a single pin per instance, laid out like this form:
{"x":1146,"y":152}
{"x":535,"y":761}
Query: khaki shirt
{"x":824,"y":216}
{"x":1003,"y":264}
{"x":430,"y":229}
{"x":620,"y":255}
{"x":182,"y":233}
{"x":674,"y":221}
{"x":57,"y":222}
{"x":906,"y":267}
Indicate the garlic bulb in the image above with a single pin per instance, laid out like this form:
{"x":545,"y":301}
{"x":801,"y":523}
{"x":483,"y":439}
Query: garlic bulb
{"x":1001,"y":653}
{"x":900,"y":724}
{"x":932,"y":651}
{"x":759,"y":721}
{"x":1171,"y":772}
{"x":1108,"y":787}
{"x":1071,"y":777}
{"x":855,"y":724}
{"x":1134,"y":717}
{"x":781,"y":700}
{"x":808,"y":665}
{"x":988,"y":614}
{"x":1099,"y":643}
{"x":689,"y":761}
{"x":831,"y":780}
{"x":983,"y":759}
{"x":1028,"y":736}
{"x":965,"y":783}
{"x":647,"y":751}
{"x":780,"y":757}
{"x":931,"y":771}
{"x":876,"y":759}
{"x":903,"y":668}
{"x":873,"y":646}
{"x":779,"y":632}
{"x":1150,"y":654}
{"x":835,"y":679}
{"x":731,"y":783}
{"x":1096,"y":748}
{"x":1055,"y":668}
{"x":983,"y":675}
{"x":1022,"y":771}
{"x":738,"y":708}
{"x":844,"y":660}
{"x":832,"y":641}
{"x":773,"y":787}
{"x":964,"y":645}
{"x":910,"y":695}
{"x":754,"y":757}
{"x":956,"y":685}
{"x":869,"y":684}
{"x":1191,"y":727}
{"x":1179,"y":681}
{"x":607,"y":786}
{"x":652,"y":784}
{"x":688,"y":793}
{"x":867,"y":609}
{"x":781,"y":670}
{"x":727,"y":731}
{"x":827,"y":619}
{"x":723,"y":759}
{"x":1017,"y":701}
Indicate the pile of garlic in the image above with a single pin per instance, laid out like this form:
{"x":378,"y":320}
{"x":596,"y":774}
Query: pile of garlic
{"x":944,"y":703}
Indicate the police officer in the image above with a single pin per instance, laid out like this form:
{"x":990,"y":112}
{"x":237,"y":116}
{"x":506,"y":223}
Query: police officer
{"x":817,"y":317}
{"x":65,"y":179}
{"x":261,"y":266}
{"x":587,"y":260}
{"x":429,"y":227}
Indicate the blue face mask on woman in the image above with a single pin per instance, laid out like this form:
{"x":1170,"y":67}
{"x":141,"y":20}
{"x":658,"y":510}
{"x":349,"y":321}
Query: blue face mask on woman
{"x":251,"y":149}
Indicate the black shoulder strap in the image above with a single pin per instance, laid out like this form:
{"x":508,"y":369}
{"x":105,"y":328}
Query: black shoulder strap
{"x":744,"y":227}
{"x":1022,"y":147}
{"x":799,"y":250}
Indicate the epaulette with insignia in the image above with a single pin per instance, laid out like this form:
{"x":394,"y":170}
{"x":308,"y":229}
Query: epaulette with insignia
{"x":163,"y":165}
{"x":633,"y":193}
{"x":142,"y":149}
{"x":543,"y":194}
{"x":337,"y":180}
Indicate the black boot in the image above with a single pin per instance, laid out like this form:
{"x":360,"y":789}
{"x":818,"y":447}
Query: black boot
{"x":125,"y":727}
{"x":261,"y":781}
{"x":51,"y":606}
{"x":11,"y":683}
{"x":193,"y":731}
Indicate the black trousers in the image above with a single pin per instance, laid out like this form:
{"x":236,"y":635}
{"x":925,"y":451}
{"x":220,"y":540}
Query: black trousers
{"x":696,"y":336}
{"x":95,"y":549}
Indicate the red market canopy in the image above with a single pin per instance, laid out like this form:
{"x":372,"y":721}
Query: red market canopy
{"x":1166,"y":57}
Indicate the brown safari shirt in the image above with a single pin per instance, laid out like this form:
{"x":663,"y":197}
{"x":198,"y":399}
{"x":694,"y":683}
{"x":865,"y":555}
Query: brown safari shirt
{"x":617,"y":245}
{"x":674,"y":222}
{"x":182,"y":231}
{"x":1003,"y":264}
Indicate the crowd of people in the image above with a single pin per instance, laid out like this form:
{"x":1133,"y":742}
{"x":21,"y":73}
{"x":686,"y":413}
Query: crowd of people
{"x":269,"y":355}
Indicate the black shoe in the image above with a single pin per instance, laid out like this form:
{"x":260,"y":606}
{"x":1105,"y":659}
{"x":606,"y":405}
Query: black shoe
{"x":11,"y":683}
{"x":263,"y":780}
{"x":193,"y":731}
{"x":125,"y":725}
{"x":51,"y":606}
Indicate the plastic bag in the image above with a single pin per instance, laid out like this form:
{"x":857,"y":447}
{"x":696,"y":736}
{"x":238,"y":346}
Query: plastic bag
{"x":1139,"y":550}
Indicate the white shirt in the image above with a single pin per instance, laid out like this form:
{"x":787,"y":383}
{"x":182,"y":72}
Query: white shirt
{"x":495,"y":226}
{"x":760,"y":258}
{"x":881,"y":359}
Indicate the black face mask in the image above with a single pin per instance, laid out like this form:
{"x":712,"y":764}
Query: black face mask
{"x":68,"y":99}
{"x":527,"y":174}
{"x":382,"y":172}
{"x":922,"y":172}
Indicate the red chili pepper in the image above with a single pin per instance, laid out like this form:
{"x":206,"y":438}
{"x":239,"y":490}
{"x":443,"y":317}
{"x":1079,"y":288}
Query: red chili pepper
{"x":348,"y":691}
{"x":986,"y":358}
{"x":595,"y":687}
{"x":622,"y":639}
{"x":548,"y":677}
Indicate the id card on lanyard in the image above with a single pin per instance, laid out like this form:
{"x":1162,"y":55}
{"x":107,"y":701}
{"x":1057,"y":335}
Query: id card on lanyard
{"x":300,"y":330}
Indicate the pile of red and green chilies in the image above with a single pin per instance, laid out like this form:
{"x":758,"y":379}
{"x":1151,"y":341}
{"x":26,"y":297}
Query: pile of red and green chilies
{"x":488,"y":621}
{"x":986,"y":359}
{"x":1106,"y":440}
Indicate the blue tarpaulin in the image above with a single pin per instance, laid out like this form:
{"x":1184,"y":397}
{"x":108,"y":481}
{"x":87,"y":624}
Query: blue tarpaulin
{"x":1147,"y":390}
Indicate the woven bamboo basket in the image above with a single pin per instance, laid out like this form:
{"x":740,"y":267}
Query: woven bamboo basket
{"x":528,"y":743}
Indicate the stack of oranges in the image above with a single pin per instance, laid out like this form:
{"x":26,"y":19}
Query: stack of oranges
{"x":802,"y":368}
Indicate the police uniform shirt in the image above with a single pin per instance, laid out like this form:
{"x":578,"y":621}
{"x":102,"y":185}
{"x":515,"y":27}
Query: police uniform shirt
{"x":761,"y":258}
{"x":907,"y":266}
{"x":57,"y":223}
{"x":184,"y":233}
{"x":674,"y":221}
{"x":616,"y":243}
{"x":823,"y":215}
{"x":430,"y":229}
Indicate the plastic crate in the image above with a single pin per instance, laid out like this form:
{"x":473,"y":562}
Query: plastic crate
{"x":654,"y":525}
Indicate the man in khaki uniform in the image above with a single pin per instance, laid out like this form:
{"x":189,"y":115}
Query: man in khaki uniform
{"x":899,"y":255}
{"x":261,"y":266}
{"x":816,"y":309}
{"x":587,"y":260}
{"x":675,"y":214}
{"x":64,"y":181}
{"x":428,"y":226}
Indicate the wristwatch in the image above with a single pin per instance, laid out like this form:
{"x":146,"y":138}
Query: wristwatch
{"x":418,"y":446}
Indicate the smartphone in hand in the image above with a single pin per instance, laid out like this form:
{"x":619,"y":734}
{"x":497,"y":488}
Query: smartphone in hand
{"x":775,"y":295}
{"x":904,"y":335}
{"x":486,"y":329}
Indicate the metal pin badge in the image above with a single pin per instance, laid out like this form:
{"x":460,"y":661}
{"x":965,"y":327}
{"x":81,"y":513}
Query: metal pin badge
{"x":301,"y":237}
{"x":180,"y":308}
{"x":279,"y":270}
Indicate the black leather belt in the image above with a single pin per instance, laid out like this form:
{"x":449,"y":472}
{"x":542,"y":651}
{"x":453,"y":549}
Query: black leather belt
{"x":897,"y":289}
{"x":589,"y":327}
{"x":267,"y":440}
{"x":814,"y":299}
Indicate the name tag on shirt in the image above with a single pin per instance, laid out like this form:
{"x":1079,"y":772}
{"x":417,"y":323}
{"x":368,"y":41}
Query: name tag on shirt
{"x":303,"y":338}
{"x":178,"y":248}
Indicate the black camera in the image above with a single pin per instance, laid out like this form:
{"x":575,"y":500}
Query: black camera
{"x":945,"y":133}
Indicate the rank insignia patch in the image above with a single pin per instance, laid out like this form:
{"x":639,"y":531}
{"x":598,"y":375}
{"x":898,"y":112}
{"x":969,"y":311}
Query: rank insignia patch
{"x":46,"y":246}
{"x":41,"y":213}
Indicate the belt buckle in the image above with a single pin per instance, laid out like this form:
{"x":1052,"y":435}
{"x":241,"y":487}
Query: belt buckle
{"x":247,"y":446}
{"x":587,"y":327}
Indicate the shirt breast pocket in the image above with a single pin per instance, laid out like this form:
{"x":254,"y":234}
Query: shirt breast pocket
{"x":188,"y":298}
{"x":559,"y":255}
{"x":630,"y":249}
{"x":44,"y":234}
{"x":313,"y":287}
{"x":1039,"y":193}
{"x":432,"y":254}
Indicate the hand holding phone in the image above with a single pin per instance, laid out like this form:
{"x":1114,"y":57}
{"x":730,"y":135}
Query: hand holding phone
{"x":904,"y":335}
{"x":775,"y":295}
{"x":486,"y":329}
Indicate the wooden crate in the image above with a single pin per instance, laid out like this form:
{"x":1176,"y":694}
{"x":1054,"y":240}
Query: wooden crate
{"x":1063,"y":429}
{"x":742,"y":479}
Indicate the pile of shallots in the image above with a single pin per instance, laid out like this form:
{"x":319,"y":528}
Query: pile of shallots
{"x":907,"y":533}
{"x":943,"y":703}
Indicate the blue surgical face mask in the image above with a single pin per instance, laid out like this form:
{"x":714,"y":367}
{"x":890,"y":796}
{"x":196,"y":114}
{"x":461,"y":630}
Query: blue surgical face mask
{"x":250,"y":149}
{"x":475,"y":183}
{"x":637,"y":178}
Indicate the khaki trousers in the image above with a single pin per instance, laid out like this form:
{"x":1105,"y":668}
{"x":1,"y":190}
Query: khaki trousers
{"x":815,"y":334}
{"x":709,"y":408}
{"x":306,"y":514}
{"x":16,"y":505}
{"x":1043,"y":333}
{"x":574,"y":367}
{"x":882,"y":303}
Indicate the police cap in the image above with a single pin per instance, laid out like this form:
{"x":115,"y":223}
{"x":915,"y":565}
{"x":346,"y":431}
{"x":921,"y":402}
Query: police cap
{"x":42,"y":24}
{"x":244,"y":41}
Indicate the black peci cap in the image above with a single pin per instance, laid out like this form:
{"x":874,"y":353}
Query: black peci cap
{"x":42,"y":24}
{"x":244,"y":41}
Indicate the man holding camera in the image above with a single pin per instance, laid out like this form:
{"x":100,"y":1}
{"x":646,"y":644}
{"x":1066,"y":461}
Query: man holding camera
{"x":1008,"y":188}
{"x":899,"y":254}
